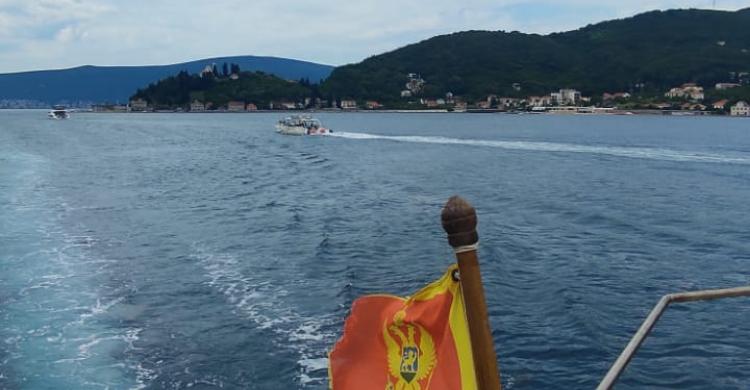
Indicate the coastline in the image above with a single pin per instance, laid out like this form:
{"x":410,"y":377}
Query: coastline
{"x":676,"y":113}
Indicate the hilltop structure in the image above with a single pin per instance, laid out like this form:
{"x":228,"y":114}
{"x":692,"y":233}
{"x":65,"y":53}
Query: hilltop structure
{"x":689,"y":90}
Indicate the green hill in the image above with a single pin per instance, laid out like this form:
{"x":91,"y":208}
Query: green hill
{"x":648,"y":53}
{"x":250,"y":87}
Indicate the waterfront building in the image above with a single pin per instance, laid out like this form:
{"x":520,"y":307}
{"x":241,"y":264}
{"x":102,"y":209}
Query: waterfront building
{"x":110,"y":108}
{"x":557,"y":98}
{"x":251,"y":107}
{"x":566,"y":97}
{"x":372,"y":105}
{"x":492,"y":100}
{"x":236,"y":106}
{"x":138,"y":105}
{"x":348,"y":104}
{"x":692,"y":107}
{"x":740,"y":109}
{"x":197,"y":106}
{"x":508,"y":102}
{"x":721,"y":104}
{"x":484,"y":104}
{"x":539,"y":101}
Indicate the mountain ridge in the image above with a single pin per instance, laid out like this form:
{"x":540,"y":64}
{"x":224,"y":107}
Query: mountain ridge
{"x":651,"y":51}
{"x":94,"y":84}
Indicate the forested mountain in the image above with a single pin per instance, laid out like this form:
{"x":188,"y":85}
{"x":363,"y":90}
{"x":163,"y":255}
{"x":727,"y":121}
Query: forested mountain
{"x":647,"y":53}
{"x":116,"y":83}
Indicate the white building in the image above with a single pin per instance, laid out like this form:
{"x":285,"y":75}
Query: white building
{"x":740,"y":109}
{"x":197,"y":106}
{"x":138,"y":105}
{"x":689,"y":91}
{"x":348,"y":104}
{"x":723,"y":86}
{"x":566,"y":97}
{"x":539,"y":101}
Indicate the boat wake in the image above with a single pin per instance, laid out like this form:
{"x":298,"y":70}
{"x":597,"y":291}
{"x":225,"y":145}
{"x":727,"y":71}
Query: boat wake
{"x":264,"y":303}
{"x":617,"y":151}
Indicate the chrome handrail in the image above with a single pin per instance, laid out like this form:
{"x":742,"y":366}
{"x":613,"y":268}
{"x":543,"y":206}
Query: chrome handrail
{"x":627,"y":354}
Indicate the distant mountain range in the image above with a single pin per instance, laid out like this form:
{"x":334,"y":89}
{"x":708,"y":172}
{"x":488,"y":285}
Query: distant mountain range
{"x":647,"y":53}
{"x":117,"y":83}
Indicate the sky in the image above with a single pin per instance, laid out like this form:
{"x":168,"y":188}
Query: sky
{"x":51,"y":34}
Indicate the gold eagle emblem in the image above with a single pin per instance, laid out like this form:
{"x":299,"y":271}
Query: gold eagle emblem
{"x":409,"y":363}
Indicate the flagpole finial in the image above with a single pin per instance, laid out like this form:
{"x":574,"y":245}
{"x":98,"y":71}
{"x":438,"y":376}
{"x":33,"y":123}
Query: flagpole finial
{"x":460,"y":222}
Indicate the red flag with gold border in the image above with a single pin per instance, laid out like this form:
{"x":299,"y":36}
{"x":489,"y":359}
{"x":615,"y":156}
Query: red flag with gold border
{"x":415,"y":343}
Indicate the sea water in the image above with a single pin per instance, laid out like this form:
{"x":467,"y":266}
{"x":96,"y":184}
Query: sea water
{"x":166,"y":251}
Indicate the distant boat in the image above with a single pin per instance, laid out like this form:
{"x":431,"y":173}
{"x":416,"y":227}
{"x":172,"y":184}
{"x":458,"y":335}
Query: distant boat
{"x":301,"y":125}
{"x":58,"y":113}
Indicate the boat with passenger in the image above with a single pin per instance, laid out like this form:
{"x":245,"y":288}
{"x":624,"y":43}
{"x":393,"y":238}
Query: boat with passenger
{"x":301,"y":125}
{"x":58,"y":113}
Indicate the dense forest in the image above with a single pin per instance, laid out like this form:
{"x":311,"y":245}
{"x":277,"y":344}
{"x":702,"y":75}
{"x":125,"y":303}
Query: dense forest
{"x":648,"y":54}
{"x":644,"y":55}
{"x":219,"y":89}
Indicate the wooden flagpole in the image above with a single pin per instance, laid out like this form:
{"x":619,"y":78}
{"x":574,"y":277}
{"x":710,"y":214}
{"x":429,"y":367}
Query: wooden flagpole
{"x":460,"y":222}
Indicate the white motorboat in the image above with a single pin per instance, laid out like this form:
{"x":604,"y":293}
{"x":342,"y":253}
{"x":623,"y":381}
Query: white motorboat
{"x":58,"y":113}
{"x":301,"y":125}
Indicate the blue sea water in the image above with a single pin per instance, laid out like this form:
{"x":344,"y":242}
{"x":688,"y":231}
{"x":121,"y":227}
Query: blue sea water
{"x":171,"y":251}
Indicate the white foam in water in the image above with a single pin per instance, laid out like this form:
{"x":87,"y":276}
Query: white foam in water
{"x":310,"y":365}
{"x":58,"y":334}
{"x":264,"y":304}
{"x":618,"y":151}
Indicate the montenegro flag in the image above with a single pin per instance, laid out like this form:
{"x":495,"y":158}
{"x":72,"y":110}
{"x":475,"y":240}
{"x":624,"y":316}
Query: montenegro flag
{"x":418,"y":343}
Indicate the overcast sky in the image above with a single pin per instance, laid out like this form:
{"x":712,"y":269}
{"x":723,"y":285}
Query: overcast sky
{"x":43,"y":34}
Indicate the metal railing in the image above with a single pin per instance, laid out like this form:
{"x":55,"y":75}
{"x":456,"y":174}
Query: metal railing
{"x":627,"y":354}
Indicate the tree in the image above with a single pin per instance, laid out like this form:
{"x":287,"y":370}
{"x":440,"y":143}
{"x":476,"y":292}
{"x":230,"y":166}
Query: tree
{"x":224,"y":70}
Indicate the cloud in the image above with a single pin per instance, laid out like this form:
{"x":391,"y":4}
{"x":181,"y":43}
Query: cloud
{"x":70,"y":33}
{"x":61,"y":33}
